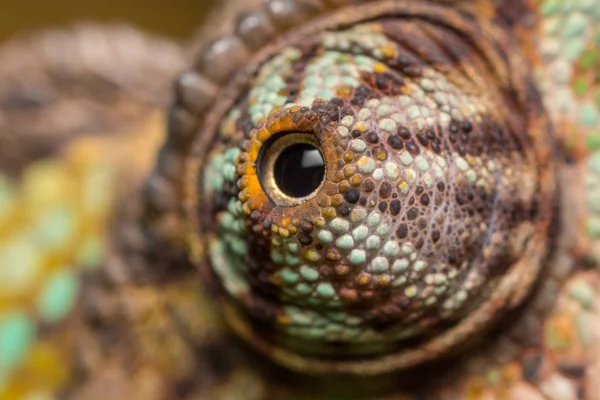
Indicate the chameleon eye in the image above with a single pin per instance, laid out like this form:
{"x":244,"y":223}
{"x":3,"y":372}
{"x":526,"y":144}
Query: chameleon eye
{"x":291,"y":168}
{"x":378,"y":181}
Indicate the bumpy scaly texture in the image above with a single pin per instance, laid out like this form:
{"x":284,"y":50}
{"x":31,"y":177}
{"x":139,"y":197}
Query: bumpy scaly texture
{"x":366,"y":267}
{"x":103,"y":77}
{"x":438,"y":190}
{"x":569,"y":73}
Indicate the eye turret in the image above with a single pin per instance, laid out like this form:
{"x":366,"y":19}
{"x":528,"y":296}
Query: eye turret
{"x":372,"y":189}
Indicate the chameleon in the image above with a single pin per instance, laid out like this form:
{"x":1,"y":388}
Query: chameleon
{"x":319,"y":199}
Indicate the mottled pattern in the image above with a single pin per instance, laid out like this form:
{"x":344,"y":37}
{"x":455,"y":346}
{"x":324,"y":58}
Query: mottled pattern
{"x":454,"y":240}
{"x":428,"y":200}
{"x":569,"y":73}
{"x":52,"y":223}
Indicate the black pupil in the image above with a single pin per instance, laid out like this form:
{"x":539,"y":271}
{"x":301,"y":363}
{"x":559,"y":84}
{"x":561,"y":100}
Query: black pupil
{"x":299,"y":170}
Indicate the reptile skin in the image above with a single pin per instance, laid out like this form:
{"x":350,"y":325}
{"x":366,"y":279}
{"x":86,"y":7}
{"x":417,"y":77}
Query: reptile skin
{"x":437,"y":238}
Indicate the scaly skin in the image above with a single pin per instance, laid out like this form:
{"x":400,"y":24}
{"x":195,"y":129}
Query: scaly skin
{"x":362,"y":291}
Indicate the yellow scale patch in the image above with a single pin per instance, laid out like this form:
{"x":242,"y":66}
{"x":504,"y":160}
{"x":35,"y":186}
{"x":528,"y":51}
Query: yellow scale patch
{"x":53,"y":224}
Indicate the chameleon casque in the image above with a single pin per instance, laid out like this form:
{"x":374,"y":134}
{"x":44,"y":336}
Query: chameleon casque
{"x":335,"y":199}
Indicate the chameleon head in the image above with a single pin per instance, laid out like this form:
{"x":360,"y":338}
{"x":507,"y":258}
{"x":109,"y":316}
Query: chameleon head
{"x":378,"y":190}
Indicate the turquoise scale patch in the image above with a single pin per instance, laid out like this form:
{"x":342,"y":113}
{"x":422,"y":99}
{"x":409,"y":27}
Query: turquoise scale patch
{"x":593,"y":187}
{"x":58,"y":295}
{"x":17,"y":333}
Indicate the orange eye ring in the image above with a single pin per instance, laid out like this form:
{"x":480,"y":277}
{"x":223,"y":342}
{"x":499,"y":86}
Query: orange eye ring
{"x":291,"y":168}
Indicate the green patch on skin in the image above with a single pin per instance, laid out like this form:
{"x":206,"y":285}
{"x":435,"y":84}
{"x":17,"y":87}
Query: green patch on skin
{"x":360,"y":233}
{"x":339,"y":225}
{"x":289,"y":276}
{"x":228,"y":254}
{"x":373,"y":242}
{"x":330,"y":326}
{"x":345,"y":242}
{"x":592,"y":141}
{"x":264,"y":96}
{"x":17,"y":334}
{"x":226,"y":266}
{"x":276,"y":257}
{"x":56,"y":228}
{"x":308,"y":273}
{"x":593,"y":225}
{"x":551,"y":7}
{"x":583,"y":293}
{"x":593,"y":189}
{"x":589,"y":59}
{"x":400,"y":266}
{"x":325,"y":237}
{"x":583,"y":322}
{"x":580,"y":87}
{"x":237,"y":245}
{"x":379,"y":265}
{"x":303,"y":289}
{"x":594,"y":200}
{"x":325,"y":290}
{"x":299,"y":317}
{"x":213,"y":180}
{"x":374,"y":219}
{"x":588,"y":115}
{"x":293,"y":247}
{"x":291,"y":260}
{"x":58,"y":295}
{"x":574,"y":48}
{"x":336,"y":67}
{"x":594,"y":163}
{"x":231,"y":154}
{"x":229,"y":170}
{"x":575,"y":24}
{"x":358,"y":257}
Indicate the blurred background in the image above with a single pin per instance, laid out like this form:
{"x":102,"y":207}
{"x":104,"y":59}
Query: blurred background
{"x":80,"y":121}
{"x":175,"y":18}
